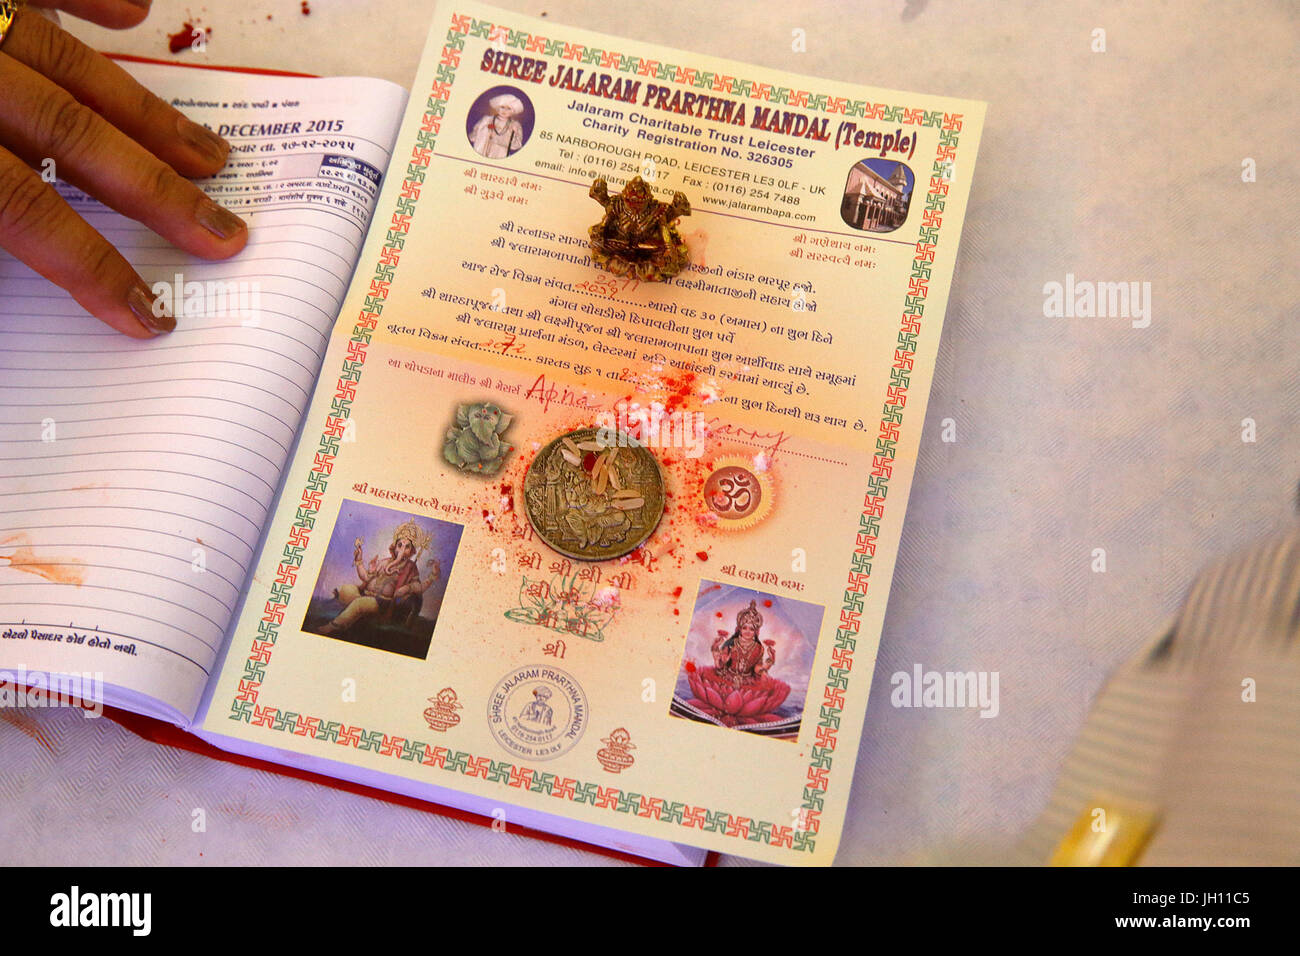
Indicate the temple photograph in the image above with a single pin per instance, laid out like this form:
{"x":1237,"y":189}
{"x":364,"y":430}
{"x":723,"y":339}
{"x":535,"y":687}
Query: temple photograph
{"x":876,"y":195}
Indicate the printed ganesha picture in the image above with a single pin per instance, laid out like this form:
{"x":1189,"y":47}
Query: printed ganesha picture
{"x":747,"y":660}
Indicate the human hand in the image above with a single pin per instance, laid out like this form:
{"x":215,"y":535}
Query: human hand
{"x":112,"y":138}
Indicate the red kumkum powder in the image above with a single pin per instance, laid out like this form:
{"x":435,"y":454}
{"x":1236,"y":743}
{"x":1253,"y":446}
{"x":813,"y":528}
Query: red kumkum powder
{"x":186,"y":37}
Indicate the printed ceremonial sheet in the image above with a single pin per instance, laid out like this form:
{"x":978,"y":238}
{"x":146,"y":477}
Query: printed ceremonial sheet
{"x":612,"y":549}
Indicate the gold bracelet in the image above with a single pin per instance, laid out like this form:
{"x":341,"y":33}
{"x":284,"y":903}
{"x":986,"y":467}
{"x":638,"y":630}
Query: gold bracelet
{"x":8,"y":10}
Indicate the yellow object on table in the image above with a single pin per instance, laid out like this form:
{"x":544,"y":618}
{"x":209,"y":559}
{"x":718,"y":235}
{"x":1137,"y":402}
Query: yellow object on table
{"x":1108,"y":833}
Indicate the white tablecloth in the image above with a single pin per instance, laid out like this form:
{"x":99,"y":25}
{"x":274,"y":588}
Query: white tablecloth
{"x":1072,"y":434}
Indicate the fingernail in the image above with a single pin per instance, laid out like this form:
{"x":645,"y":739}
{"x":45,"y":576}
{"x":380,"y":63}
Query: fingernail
{"x":142,"y":304}
{"x":218,"y":220}
{"x":202,"y":140}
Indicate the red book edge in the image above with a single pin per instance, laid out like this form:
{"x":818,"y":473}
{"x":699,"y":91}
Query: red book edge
{"x":132,"y":58}
{"x":168,"y":735}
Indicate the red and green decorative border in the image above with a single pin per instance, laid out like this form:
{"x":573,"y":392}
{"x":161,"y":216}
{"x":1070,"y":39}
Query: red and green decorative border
{"x":817,"y":781}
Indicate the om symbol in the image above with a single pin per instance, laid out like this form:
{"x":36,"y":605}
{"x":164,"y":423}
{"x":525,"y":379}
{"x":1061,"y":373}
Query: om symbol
{"x":732,"y":492}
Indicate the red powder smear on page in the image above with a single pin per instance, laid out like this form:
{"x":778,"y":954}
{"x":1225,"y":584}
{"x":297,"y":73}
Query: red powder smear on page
{"x":186,"y":37}
{"x":24,"y":559}
{"x":677,"y":592}
{"x":306,"y":8}
{"x":680,"y":390}
{"x":767,"y":604}
{"x":702,"y":555}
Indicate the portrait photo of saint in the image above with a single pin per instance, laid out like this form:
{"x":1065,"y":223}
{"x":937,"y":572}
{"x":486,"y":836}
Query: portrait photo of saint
{"x":747,"y":660}
{"x":383,"y":579}
{"x":500,"y":122}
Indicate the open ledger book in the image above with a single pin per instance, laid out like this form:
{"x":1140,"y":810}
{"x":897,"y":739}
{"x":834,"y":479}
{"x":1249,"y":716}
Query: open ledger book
{"x":304,"y":525}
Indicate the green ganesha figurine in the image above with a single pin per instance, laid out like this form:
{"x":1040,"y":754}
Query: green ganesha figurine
{"x":474,"y":443}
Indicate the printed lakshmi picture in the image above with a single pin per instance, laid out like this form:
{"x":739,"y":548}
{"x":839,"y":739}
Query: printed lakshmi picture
{"x":383,"y":579}
{"x":747,"y":660}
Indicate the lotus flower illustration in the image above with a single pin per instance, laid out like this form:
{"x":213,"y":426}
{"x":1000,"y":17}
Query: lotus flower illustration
{"x":732,"y":705}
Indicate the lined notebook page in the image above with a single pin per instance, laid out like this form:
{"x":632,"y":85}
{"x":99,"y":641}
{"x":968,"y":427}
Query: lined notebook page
{"x":136,"y":477}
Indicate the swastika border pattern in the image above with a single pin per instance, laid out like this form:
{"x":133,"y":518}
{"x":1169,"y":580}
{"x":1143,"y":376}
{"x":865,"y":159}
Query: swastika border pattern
{"x":799,"y":837}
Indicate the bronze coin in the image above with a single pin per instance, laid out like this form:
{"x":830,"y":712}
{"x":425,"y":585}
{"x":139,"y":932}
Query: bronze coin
{"x":594,"y":494}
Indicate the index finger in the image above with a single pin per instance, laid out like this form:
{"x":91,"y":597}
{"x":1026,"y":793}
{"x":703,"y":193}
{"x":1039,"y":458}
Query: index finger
{"x":39,"y":119}
{"x":99,"y":83}
{"x":42,"y":230}
{"x":114,"y":14}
